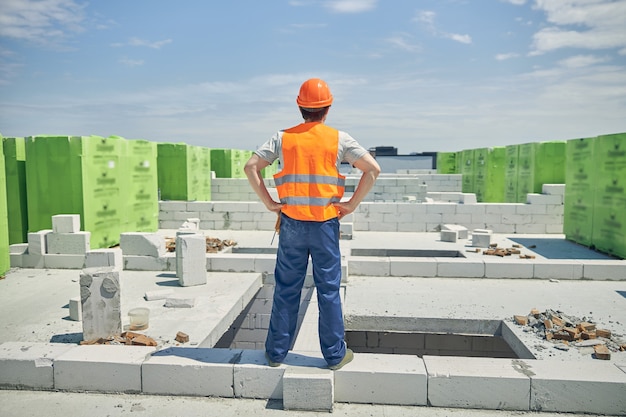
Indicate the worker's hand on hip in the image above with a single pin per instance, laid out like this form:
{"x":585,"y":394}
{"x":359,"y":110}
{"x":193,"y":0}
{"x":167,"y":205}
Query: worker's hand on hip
{"x":275,"y":207}
{"x":343,"y":208}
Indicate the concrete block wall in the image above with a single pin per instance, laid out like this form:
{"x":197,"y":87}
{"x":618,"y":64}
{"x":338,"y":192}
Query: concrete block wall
{"x":487,"y":383}
{"x":388,"y":187}
{"x":378,"y":216}
{"x":249,"y":330}
{"x":421,"y":344}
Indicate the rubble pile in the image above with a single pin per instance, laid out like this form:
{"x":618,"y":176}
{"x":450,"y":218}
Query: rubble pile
{"x":494,"y":250}
{"x":565,"y":331}
{"x":126,"y":338}
{"x":213,"y":244}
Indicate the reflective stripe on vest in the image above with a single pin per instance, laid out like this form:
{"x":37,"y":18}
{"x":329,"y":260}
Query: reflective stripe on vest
{"x":309,"y":181}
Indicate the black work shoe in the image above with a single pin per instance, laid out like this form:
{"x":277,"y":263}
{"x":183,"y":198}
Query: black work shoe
{"x":346,"y":359}
{"x":271,"y":362}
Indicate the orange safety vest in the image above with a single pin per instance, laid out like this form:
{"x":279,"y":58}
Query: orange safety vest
{"x":309,"y":181}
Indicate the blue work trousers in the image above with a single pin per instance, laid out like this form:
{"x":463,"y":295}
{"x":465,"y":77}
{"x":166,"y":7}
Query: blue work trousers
{"x":297,"y":240}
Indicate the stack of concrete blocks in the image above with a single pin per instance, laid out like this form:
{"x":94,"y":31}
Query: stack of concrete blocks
{"x":145,"y":252}
{"x":481,"y":238}
{"x":453,"y":232}
{"x":100,"y":302}
{"x":191,"y":259}
{"x":63,"y":247}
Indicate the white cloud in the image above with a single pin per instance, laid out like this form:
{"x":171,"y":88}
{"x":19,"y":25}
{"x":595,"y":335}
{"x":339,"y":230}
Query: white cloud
{"x":580,"y":61}
{"x":403,"y":41}
{"x":132,"y":62}
{"x":587,"y":24}
{"x":350,"y":6}
{"x":504,"y":57}
{"x":44,"y":22}
{"x":515,"y":2}
{"x":427,"y":19}
{"x":458,"y":37}
{"x":143,"y":43}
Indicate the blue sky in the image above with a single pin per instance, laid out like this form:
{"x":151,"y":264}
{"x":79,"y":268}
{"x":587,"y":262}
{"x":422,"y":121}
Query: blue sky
{"x":426,"y":75}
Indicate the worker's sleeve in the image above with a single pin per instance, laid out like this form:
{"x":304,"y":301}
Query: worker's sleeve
{"x":271,"y":150}
{"x":349,"y":149}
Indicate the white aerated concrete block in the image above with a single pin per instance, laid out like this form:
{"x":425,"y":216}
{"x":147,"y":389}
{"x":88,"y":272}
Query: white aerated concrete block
{"x":37,"y":242}
{"x":508,"y":267}
{"x":596,"y":387}
{"x":106,"y":368}
{"x":460,"y":268}
{"x":545,"y":199}
{"x":467,"y":198}
{"x":157,"y":295}
{"x":382,"y":379}
{"x":553,"y":189}
{"x":28,"y":365}
{"x":191,"y":260}
{"x":487,"y":383}
{"x":309,"y":389}
{"x":66,"y":223}
{"x":175,"y":302}
{"x":558,"y":269}
{"x":148,"y":263}
{"x":449,"y":235}
{"x":481,"y":239}
{"x":369,"y":266}
{"x":604,"y":270}
{"x":253,"y":378}
{"x":68,"y":243}
{"x":461,"y":231}
{"x":412,"y":267}
{"x":104,"y":257}
{"x":63,"y":261}
{"x":101,"y":303}
{"x":76,"y":310}
{"x":142,"y":244}
{"x":190,"y":371}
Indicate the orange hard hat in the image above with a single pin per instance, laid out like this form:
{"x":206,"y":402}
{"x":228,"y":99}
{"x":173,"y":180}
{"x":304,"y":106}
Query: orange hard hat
{"x":314,"y":94}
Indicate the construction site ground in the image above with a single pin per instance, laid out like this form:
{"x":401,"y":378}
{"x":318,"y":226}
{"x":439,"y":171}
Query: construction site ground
{"x":34,"y":308}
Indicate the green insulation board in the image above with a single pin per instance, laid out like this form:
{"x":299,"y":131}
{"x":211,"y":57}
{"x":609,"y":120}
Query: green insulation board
{"x":550,"y":160}
{"x":609,"y":219}
{"x":141,"y":189}
{"x":446,"y":163}
{"x":480,"y":173}
{"x":511,"y":154}
{"x":494,"y":178}
{"x":76,"y":175}
{"x":5,"y":260}
{"x":229,"y":163}
{"x":182,"y":172}
{"x":525,"y":170}
{"x":467,"y":170}
{"x":578,"y":210}
{"x":15,"y":170}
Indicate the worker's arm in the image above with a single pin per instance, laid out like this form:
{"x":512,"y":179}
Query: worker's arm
{"x":370,"y":168}
{"x":253,"y":171}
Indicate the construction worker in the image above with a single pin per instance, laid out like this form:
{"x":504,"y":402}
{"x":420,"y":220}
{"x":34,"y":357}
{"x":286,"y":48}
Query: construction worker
{"x":310,"y":189}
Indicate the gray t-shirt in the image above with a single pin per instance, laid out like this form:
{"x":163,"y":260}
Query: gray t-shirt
{"x":349,"y":149}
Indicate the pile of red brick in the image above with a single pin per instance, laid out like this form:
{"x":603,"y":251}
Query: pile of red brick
{"x":126,"y":338}
{"x":559,"y":328}
{"x":213,"y":244}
